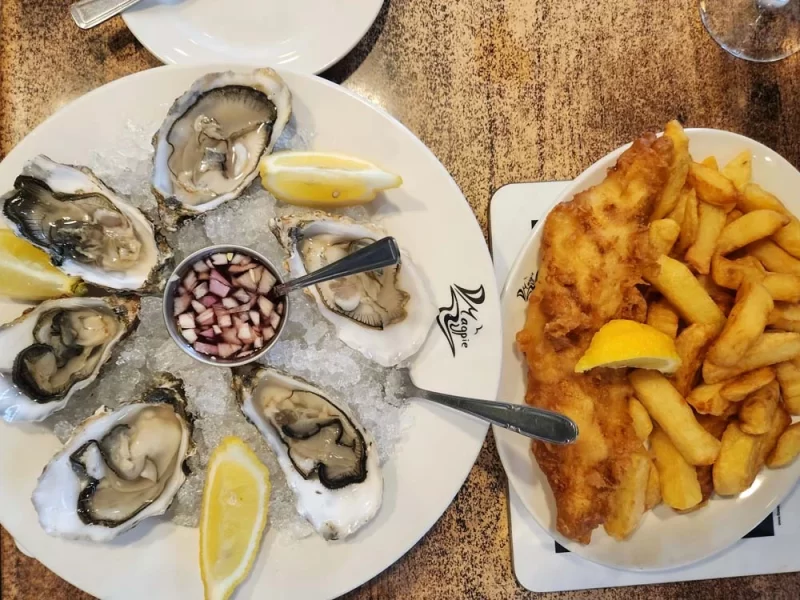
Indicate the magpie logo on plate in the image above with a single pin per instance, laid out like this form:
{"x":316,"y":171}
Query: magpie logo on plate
{"x":459,"y":322}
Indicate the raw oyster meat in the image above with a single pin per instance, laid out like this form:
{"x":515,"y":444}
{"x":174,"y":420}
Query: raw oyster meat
{"x":330,"y":461}
{"x":208,"y":148}
{"x":385,"y":314}
{"x":56,"y":349}
{"x":85,"y":227}
{"x":118,"y":468}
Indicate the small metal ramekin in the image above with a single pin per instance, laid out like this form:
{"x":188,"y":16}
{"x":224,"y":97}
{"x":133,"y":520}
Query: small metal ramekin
{"x":169,"y":297}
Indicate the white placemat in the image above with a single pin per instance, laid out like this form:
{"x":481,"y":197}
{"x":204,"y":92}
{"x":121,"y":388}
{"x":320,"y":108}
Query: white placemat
{"x":540,"y":564}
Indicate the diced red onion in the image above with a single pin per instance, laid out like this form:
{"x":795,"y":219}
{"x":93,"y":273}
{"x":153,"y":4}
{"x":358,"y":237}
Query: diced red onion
{"x":210,"y":349}
{"x":223,"y":300}
{"x":229,"y":303}
{"x":207,"y":317}
{"x":219,"y":277}
{"x":181,"y":304}
{"x":274,"y":320}
{"x":201,"y":290}
{"x":218,"y":288}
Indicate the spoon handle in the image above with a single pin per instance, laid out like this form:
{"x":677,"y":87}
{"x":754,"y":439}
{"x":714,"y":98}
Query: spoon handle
{"x":88,"y":13}
{"x":383,"y":253}
{"x":532,"y":422}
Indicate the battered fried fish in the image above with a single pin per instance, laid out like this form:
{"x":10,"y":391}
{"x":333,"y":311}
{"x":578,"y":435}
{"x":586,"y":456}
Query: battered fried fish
{"x":594,"y":249}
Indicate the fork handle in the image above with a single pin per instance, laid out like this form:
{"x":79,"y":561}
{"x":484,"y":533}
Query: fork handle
{"x":88,"y":13}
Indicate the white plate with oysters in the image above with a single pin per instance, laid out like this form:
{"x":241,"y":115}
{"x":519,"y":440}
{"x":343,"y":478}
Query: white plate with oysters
{"x":307,"y":36}
{"x":116,"y":237}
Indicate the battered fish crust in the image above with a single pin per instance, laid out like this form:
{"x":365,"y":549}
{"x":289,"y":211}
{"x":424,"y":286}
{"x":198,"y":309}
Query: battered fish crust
{"x":594,"y":250}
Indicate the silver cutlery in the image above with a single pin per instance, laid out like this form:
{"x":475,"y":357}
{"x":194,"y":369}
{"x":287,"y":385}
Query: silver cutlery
{"x":88,"y":13}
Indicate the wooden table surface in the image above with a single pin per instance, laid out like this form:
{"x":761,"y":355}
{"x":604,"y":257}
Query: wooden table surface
{"x":502,"y":91}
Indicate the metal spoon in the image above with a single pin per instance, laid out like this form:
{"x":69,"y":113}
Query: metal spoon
{"x":88,"y":13}
{"x":378,"y":255}
{"x":532,"y":422}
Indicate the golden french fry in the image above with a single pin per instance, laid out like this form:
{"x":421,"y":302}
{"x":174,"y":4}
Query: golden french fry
{"x":740,"y":387}
{"x":783,"y":311}
{"x":663,"y":317}
{"x":782,"y":286}
{"x":749,"y":228}
{"x":678,"y":170}
{"x":710,"y":162}
{"x":712,"y":186}
{"x":730,"y":273}
{"x":706,"y":399}
{"x":771,"y":348}
{"x":679,"y":486}
{"x":663,"y":234}
{"x":733,"y":215}
{"x":705,"y":478}
{"x":780,"y":421}
{"x":787,"y":448}
{"x":689,"y":226}
{"x":711,"y":222}
{"x":754,"y":197}
{"x":691,"y":346}
{"x":788,"y":237}
{"x":774,"y":258}
{"x":735,"y":469}
{"x":786,"y":325}
{"x":641,"y":420}
{"x":677,"y":284}
{"x":627,"y":503}
{"x":757,"y":411}
{"x":789,"y":379}
{"x":679,"y":212}
{"x":668,"y":408}
{"x":739,"y":169}
{"x":652,"y":497}
{"x":745,"y":324}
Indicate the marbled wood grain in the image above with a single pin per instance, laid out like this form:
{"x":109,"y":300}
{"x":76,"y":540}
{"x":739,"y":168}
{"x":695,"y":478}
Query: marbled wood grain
{"x":501,"y":91}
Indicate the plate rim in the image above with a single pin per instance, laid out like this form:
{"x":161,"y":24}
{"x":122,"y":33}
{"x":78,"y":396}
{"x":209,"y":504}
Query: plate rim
{"x":573,"y":187}
{"x":492,"y":288}
{"x":318,"y":66}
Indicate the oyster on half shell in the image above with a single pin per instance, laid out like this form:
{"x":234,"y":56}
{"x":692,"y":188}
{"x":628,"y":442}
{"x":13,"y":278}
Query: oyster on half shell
{"x":56,"y":349}
{"x":329,"y":460}
{"x":87,"y":229}
{"x":208,"y":148}
{"x":119,"y":467}
{"x":385,"y":314}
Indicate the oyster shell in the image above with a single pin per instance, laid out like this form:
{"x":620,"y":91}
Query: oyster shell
{"x":386,"y":314}
{"x":208,"y":148}
{"x":329,"y":460}
{"x":118,"y":468}
{"x":56,"y":349}
{"x":85,"y":227}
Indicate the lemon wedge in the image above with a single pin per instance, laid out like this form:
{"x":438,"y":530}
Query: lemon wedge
{"x":622,"y":343}
{"x":26,"y":272}
{"x":235,"y":505}
{"x":323,"y":179}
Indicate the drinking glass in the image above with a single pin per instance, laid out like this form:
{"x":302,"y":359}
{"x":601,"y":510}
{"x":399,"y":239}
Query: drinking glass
{"x":756,"y":30}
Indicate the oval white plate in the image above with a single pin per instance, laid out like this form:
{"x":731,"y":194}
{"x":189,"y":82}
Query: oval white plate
{"x":665,"y":539}
{"x":303,"y":35}
{"x":438,"y":451}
